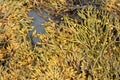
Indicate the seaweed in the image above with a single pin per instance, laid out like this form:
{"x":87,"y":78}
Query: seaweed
{"x":82,"y":42}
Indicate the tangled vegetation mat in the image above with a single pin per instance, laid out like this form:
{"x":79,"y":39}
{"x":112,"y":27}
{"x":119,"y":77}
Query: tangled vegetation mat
{"x":82,"y":40}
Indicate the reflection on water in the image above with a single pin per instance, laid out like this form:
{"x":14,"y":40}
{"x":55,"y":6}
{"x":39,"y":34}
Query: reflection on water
{"x":37,"y":21}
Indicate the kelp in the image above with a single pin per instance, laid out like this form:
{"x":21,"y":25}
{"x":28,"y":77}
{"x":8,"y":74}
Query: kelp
{"x":84,"y":47}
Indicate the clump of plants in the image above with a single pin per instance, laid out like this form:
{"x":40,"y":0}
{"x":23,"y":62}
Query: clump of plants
{"x":112,"y":6}
{"x":84,"y":47}
{"x":14,"y":27}
{"x":89,"y":46}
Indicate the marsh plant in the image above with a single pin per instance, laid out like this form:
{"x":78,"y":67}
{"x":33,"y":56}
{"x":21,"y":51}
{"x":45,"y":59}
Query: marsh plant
{"x":84,"y":47}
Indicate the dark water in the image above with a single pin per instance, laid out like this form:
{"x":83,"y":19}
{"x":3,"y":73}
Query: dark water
{"x":37,"y":21}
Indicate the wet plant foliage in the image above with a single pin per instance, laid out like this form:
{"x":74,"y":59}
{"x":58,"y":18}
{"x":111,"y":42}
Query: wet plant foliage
{"x":82,"y":41}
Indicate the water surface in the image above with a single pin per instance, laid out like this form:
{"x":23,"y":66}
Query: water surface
{"x":37,"y":21}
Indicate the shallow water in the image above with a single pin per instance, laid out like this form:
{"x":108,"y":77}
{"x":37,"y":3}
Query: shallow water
{"x":37,"y":21}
